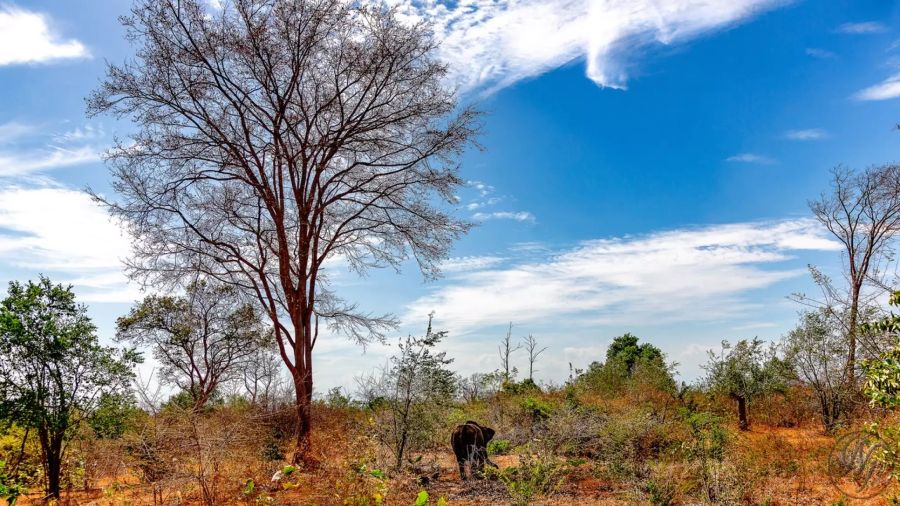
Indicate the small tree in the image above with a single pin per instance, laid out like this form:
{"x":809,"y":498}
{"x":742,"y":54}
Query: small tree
{"x":261,"y":376}
{"x":201,"y":339}
{"x":882,"y":387}
{"x":506,"y":349}
{"x":53,"y":371}
{"x":479,"y":385}
{"x":883,"y":374}
{"x":411,"y":391}
{"x":629,"y":365}
{"x":861,"y":211}
{"x":817,"y":350}
{"x":534,"y":351}
{"x":743,"y":372}
{"x":626,"y":349}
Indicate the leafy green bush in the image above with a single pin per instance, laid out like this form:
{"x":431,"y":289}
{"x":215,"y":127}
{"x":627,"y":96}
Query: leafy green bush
{"x":535,"y":476}
{"x":115,"y":413}
{"x":526,"y":386}
{"x":499,"y":446}
{"x":10,"y":486}
{"x":536,"y":409}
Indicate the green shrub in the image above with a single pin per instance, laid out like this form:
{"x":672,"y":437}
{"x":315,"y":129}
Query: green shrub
{"x":115,"y":413}
{"x":499,"y":446}
{"x":10,"y":486}
{"x":535,"y":476}
{"x":536,"y":409}
{"x":660,"y":492}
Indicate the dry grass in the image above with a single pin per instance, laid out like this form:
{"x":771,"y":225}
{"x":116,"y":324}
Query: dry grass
{"x":212,"y":458}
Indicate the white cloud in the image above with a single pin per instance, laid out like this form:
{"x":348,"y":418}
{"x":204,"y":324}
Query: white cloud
{"x":692,"y":275}
{"x":62,"y":231}
{"x":750,"y":158}
{"x":14,"y":130}
{"x":483,"y":189}
{"x":470,"y":263}
{"x":494,"y":43}
{"x":861,"y":28}
{"x":809,"y":134}
{"x":19,"y":164}
{"x":26,"y":37}
{"x":887,"y":89}
{"x":478,"y":204}
{"x":505,"y":215}
{"x":80,"y":134}
{"x":822,"y":54}
{"x":31,"y":148}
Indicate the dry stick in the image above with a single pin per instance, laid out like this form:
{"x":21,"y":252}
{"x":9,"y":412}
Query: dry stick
{"x":15,"y":467}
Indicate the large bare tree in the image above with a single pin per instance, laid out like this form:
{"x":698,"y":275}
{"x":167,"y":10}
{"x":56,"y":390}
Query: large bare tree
{"x":861,"y":211}
{"x":275,"y":135}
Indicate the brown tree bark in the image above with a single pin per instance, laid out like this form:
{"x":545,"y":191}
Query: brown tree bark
{"x":743,"y":419}
{"x":51,"y":447}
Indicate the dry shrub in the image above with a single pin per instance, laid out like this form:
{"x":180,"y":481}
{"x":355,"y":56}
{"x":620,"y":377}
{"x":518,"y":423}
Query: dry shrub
{"x":574,"y":431}
{"x":97,"y":458}
{"x":795,"y":407}
{"x":207,"y":457}
{"x":629,"y":441}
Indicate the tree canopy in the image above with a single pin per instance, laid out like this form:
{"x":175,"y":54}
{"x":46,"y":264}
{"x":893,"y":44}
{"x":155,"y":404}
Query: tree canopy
{"x":201,"y":339}
{"x":53,"y":370}
{"x":273,"y":137}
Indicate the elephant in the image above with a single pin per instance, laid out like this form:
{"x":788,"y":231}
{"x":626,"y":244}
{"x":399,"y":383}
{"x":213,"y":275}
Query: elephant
{"x":469,"y":442}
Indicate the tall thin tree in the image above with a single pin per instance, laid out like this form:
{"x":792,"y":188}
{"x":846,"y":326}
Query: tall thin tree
{"x":861,"y":211}
{"x":277,"y":135}
{"x":506,"y":349}
{"x":534,"y":351}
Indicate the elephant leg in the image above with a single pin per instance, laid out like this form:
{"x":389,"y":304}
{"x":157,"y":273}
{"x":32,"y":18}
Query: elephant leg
{"x":478,"y":465}
{"x":462,"y":468}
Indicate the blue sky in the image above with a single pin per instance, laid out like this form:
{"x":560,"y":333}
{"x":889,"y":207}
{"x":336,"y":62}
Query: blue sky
{"x":647,"y":168}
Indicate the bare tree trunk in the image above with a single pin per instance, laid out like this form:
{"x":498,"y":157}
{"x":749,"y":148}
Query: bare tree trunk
{"x":51,"y":447}
{"x":506,"y":349}
{"x":303,"y":388}
{"x":851,"y":337}
{"x":743,"y":421}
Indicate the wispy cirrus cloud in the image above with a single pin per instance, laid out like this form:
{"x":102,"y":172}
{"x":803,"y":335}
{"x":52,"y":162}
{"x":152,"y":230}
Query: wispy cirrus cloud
{"x":694,"y":275}
{"x":27,"y":37}
{"x":750,"y":158}
{"x":822,"y":54}
{"x":490,"y":44}
{"x":470,"y":263}
{"x":27,"y":148}
{"x":505,"y":215}
{"x":885,"y":90}
{"x":808,"y":134}
{"x":861,"y":28}
{"x":14,"y":130}
{"x":24,"y":163}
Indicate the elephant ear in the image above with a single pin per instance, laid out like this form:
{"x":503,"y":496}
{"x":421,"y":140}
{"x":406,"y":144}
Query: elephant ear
{"x":488,"y":434}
